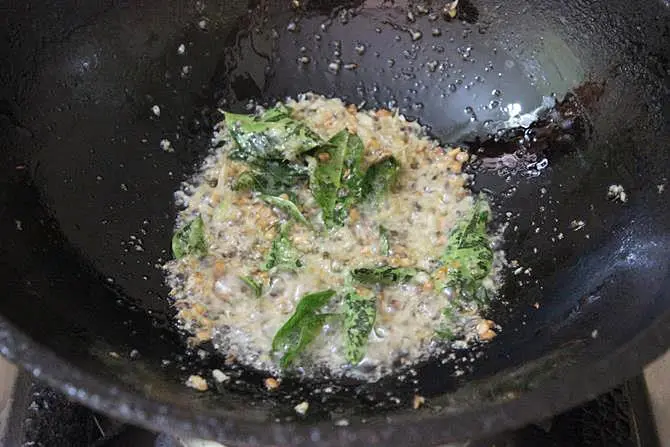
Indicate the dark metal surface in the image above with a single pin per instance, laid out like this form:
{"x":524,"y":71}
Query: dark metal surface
{"x":86,"y":197}
{"x":622,"y":417}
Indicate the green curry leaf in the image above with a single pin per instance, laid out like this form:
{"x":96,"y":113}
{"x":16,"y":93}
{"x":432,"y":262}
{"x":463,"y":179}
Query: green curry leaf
{"x":271,"y":177}
{"x":446,"y":330}
{"x":384,"y":243}
{"x":282,"y":254}
{"x":302,"y":327}
{"x":190,"y":239}
{"x":269,"y":144}
{"x":336,"y":181}
{"x":350,"y":191}
{"x":287,"y":206}
{"x":255,"y":286}
{"x":326,"y":177}
{"x":380,"y":178}
{"x":308,"y":330}
{"x":384,"y":275}
{"x":247,"y":180}
{"x":272,"y":135}
{"x":359,"y":318}
{"x":468,"y":256}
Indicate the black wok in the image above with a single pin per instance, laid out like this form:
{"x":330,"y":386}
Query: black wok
{"x":86,"y":210}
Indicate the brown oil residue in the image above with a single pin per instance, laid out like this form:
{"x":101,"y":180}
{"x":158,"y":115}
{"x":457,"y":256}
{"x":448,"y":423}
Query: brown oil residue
{"x":556,"y":131}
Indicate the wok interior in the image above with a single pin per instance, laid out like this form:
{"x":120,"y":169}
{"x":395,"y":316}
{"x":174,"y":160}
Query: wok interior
{"x":85,"y":182}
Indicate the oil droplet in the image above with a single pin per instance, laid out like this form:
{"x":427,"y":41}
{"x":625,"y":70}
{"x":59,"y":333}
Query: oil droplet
{"x":493,"y":104}
{"x":452,"y":88}
{"x":334,"y":67}
{"x":496,"y":92}
{"x":291,"y":27}
{"x":437,"y":32}
{"x":360,"y":48}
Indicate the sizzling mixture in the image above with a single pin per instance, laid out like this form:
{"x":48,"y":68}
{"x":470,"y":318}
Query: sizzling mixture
{"x":322,"y":238}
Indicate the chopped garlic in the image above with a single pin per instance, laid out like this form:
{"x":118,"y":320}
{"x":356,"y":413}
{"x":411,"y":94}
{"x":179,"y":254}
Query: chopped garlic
{"x":302,"y":408}
{"x":197,"y":382}
{"x":418,"y":401}
{"x":166,"y":145}
{"x":617,"y":193}
{"x":220,"y":376}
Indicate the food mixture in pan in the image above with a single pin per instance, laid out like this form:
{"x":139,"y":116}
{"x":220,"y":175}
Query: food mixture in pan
{"x":318,"y":237}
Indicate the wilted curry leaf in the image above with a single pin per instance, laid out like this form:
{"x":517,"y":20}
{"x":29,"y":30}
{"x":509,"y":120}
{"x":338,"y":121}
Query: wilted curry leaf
{"x":190,"y":239}
{"x":468,"y":256}
{"x":359,"y":318}
{"x":302,"y":327}
{"x":380,"y":178}
{"x":287,"y":206}
{"x":282,"y":254}
{"x":384,"y":275}
{"x":255,"y":286}
{"x":272,"y":135}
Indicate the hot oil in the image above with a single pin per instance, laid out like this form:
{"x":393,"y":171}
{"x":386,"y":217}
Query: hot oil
{"x":424,"y":65}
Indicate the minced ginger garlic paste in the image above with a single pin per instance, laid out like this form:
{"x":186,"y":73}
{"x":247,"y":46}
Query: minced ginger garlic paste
{"x":322,"y":238}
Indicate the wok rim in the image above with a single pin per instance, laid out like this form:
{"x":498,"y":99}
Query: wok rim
{"x":577,"y":385}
